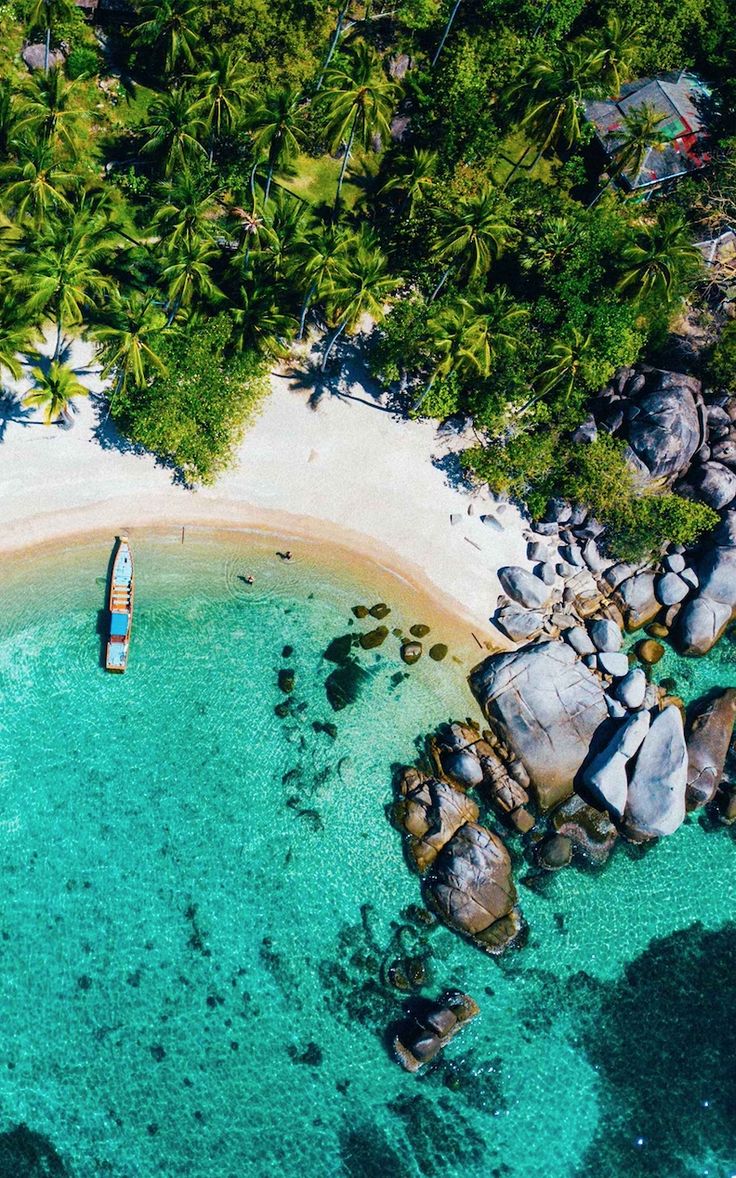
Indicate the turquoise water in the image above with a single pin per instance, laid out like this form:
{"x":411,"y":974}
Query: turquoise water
{"x":199,"y":900}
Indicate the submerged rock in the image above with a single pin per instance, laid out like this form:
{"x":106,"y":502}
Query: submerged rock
{"x":438,"y":652}
{"x":655,"y":804}
{"x":430,"y":1026}
{"x":380,"y":611}
{"x":555,"y":852}
{"x":545,"y":705}
{"x":343,"y":685}
{"x":373,"y":638}
{"x":471,"y":888}
{"x":591,"y":831}
{"x":411,"y":652}
{"x":707,"y":747}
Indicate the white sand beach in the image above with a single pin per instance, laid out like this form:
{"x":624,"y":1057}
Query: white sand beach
{"x":344,"y":469}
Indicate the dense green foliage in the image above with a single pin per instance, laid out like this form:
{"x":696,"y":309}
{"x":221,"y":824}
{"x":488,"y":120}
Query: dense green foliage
{"x":251,"y":166}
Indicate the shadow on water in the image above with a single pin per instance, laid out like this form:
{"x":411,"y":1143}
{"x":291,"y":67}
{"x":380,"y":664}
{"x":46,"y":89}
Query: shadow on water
{"x":25,"y":1154}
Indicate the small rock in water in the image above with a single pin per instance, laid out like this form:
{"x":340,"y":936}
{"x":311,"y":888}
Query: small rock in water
{"x":339,"y":649}
{"x":438,"y":652}
{"x":374,"y":638}
{"x":411,"y":652}
{"x":287,"y":652}
{"x":287,"y":678}
{"x":360,"y":611}
{"x":282,"y":710}
{"x":379,"y":611}
{"x":328,"y":728}
{"x":555,"y":852}
{"x":312,"y":1055}
{"x":419,"y":630}
{"x":649,"y":651}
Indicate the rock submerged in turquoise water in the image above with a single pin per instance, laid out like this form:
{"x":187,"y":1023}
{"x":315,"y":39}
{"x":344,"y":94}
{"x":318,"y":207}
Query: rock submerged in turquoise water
{"x":708,"y":742}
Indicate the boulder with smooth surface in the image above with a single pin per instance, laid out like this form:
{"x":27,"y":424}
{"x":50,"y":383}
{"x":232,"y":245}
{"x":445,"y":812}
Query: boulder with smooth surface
{"x":655,"y":804}
{"x":708,"y":742}
{"x":523,"y":587}
{"x":545,"y":705}
{"x":605,"y":634}
{"x":605,"y":778}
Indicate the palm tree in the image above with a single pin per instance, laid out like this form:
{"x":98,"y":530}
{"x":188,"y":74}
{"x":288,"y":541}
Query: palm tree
{"x":16,"y":334}
{"x":224,"y":84}
{"x":551,"y":90}
{"x":564,"y":368}
{"x":8,"y":117}
{"x":318,"y":258}
{"x":275,"y":125}
{"x":35,"y":183}
{"x":175,"y":128}
{"x":450,"y":342}
{"x":413,"y":176}
{"x":333,"y":42}
{"x":640,"y":132}
{"x":47,"y":13}
{"x":619,"y":45}
{"x":49,"y":111}
{"x":360,"y":288}
{"x":63,"y":276}
{"x":170,"y":27}
{"x":259,"y":321}
{"x":494,"y":323}
{"x":661,"y":258}
{"x":188,"y":275}
{"x":129,"y":341}
{"x":358,"y":101}
{"x":55,"y":390}
{"x":186,"y":213}
{"x":473,"y":233}
{"x":445,"y":32}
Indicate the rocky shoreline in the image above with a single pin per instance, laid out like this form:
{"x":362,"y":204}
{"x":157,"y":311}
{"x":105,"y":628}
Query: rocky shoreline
{"x":582,"y":750}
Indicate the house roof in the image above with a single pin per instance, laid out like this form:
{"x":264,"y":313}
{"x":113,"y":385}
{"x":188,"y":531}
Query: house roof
{"x":684,"y":100}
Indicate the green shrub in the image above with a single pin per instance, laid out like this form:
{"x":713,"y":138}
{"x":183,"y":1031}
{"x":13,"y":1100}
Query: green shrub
{"x":82,"y":63}
{"x":722,"y":367}
{"x":195,"y":415}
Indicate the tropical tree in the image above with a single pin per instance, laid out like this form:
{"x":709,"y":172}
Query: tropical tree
{"x":472,"y":234}
{"x":224,"y":84}
{"x":130,"y":339}
{"x":175,"y":128}
{"x":275,"y":126}
{"x":357,"y":101}
{"x":640,"y":132}
{"x":54,"y":392}
{"x":35,"y":183}
{"x":494,"y":321}
{"x":564,"y":368}
{"x":550,"y":91}
{"x":661,"y":258}
{"x":48,"y":111}
{"x":259,"y":321}
{"x":360,"y":288}
{"x":63,"y":275}
{"x":171,"y":29}
{"x":16,"y":333}
{"x":413,"y":177}
{"x":618,"y":44}
{"x":317,"y":260}
{"x":8,"y":117}
{"x":186,"y":209}
{"x":46,"y":14}
{"x":188,"y":275}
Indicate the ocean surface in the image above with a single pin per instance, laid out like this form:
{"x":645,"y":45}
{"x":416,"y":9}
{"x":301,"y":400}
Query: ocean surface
{"x":199,"y":901}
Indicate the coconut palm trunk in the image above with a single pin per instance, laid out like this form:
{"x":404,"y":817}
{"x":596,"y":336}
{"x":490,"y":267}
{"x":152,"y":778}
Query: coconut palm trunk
{"x":346,"y":157}
{"x":333,"y":341}
{"x":333,"y":43}
{"x":305,"y":308}
{"x":444,"y":36}
{"x":440,"y":284}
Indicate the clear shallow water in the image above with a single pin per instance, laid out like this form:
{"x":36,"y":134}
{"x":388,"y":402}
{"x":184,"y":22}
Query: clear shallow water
{"x":197,"y":899}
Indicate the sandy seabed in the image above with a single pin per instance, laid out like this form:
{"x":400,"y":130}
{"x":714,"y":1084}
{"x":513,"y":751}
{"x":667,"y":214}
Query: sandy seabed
{"x":333,"y":474}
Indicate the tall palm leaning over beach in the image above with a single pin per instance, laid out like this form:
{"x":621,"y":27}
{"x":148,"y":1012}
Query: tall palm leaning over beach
{"x":358,"y":101}
{"x":129,"y":340}
{"x":223,"y":84}
{"x":65,"y":273}
{"x":360,"y":288}
{"x":16,"y":333}
{"x":46,"y":14}
{"x":564,"y":369}
{"x":317,"y":260}
{"x":275,"y":124}
{"x":54,"y":392}
{"x":175,"y":129}
{"x":471,"y":235}
{"x":661,"y":259}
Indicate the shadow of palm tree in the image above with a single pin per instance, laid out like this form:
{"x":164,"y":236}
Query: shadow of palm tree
{"x":12,"y":409}
{"x":309,"y":378}
{"x":106,"y":433}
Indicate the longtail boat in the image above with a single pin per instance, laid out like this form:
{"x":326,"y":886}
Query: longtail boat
{"x":122,"y":585}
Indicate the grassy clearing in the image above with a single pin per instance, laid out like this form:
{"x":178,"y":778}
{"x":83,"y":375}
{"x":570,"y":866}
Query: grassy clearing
{"x":512,"y":149}
{"x":315,"y":180}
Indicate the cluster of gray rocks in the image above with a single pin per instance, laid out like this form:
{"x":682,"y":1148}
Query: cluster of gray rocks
{"x":581,"y":747}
